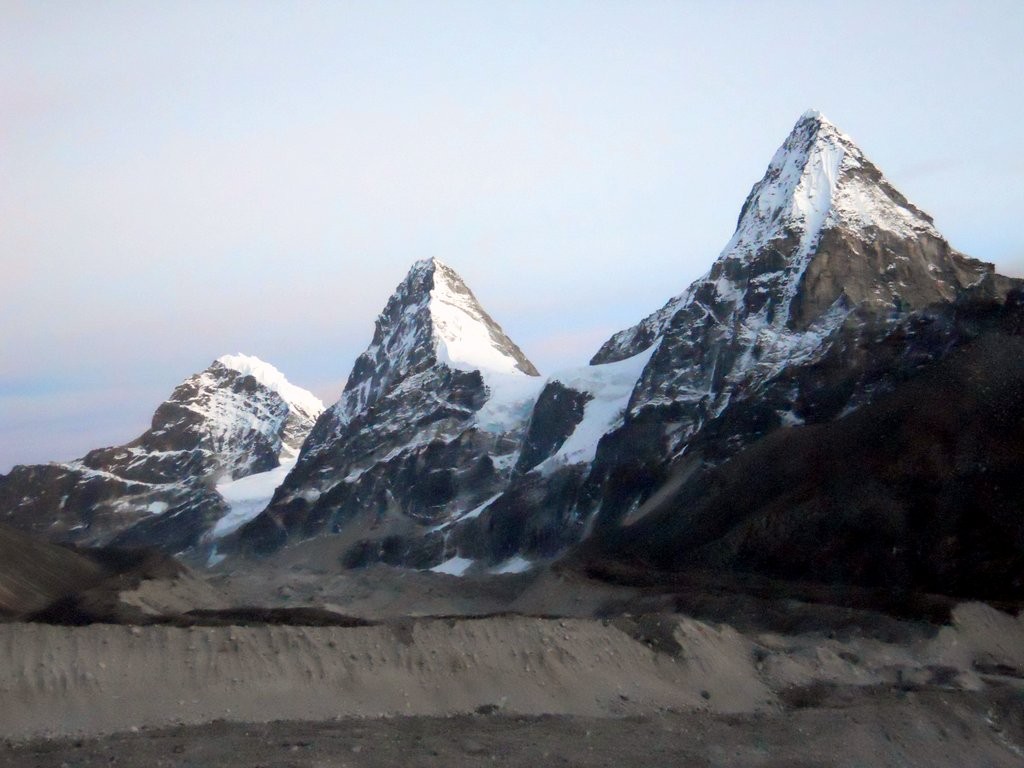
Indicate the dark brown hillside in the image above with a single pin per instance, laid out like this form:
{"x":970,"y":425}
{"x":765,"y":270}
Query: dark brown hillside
{"x":919,"y":491}
{"x":34,"y":573}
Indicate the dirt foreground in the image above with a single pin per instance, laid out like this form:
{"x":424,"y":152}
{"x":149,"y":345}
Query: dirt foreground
{"x":659,"y":689}
{"x":849,"y":727}
{"x":106,"y":678}
{"x":538,"y":669}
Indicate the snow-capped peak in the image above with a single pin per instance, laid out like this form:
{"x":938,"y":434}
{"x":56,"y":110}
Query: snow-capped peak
{"x":271,"y":378}
{"x":820,"y":178}
{"x":431,"y":318}
{"x":465,"y":335}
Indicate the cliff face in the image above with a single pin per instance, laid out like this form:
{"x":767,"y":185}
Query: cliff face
{"x":914,"y":491}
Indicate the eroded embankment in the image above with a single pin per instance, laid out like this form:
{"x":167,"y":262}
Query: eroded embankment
{"x":102,"y":678}
{"x":98,"y":679}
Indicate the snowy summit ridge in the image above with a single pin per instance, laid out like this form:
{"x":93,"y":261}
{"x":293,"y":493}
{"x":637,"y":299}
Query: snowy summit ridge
{"x":820,"y":196}
{"x":432,"y":318}
{"x":270,"y":377}
{"x":819,"y":178}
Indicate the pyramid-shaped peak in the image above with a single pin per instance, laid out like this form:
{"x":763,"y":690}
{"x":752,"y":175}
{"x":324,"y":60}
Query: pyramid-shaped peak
{"x":461,"y":333}
{"x":819,"y":178}
{"x":431,"y":319}
{"x":819,"y":187}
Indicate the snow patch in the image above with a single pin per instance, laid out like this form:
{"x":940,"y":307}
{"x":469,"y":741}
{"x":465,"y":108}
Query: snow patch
{"x":454,"y":566}
{"x":248,"y":497}
{"x":517,"y":564}
{"x":510,"y":400}
{"x":473,"y":513}
{"x":215,"y":558}
{"x":610,"y":386}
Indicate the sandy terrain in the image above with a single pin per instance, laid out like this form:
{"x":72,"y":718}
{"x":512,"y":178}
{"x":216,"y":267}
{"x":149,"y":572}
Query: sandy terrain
{"x":628,"y":690}
{"x":106,"y":678}
{"x":394,"y":667}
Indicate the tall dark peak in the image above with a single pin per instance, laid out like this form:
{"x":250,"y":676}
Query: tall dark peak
{"x":427,"y":425}
{"x":832,"y":289}
{"x":917,"y":490}
{"x":827,"y":259}
{"x":432,"y":317}
{"x":823,"y":230}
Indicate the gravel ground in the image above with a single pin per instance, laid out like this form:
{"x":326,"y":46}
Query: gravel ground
{"x":819,"y":727}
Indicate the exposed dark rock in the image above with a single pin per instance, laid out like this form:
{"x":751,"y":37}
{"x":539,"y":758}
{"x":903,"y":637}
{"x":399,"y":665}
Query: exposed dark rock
{"x":916,"y":491}
{"x":412,"y":444}
{"x":558,"y":411}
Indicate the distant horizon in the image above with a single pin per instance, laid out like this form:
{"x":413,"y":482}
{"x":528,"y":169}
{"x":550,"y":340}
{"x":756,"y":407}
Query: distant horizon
{"x":187,"y":182}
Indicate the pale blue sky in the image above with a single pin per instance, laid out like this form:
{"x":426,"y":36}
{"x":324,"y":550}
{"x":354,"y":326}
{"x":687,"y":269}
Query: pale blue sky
{"x":183,"y":180}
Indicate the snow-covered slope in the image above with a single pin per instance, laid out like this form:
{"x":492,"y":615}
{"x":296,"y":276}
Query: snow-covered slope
{"x":606,"y":390}
{"x":465,"y":335}
{"x":236,"y":418}
{"x":426,"y":428}
{"x":247,"y":497}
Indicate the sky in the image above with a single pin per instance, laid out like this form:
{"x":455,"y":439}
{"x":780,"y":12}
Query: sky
{"x":184,"y":180}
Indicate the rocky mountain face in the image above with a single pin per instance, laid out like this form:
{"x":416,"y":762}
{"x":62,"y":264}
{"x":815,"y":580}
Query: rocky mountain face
{"x":427,"y":429}
{"x":916,"y":491}
{"x":813,"y":309}
{"x":237,"y":418}
{"x":827,"y":259}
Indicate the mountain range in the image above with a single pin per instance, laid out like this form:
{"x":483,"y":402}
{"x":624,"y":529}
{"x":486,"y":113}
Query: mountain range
{"x":750,"y":424}
{"x":238,"y":418}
